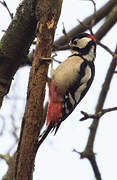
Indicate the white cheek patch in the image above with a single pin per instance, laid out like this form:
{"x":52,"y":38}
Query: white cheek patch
{"x":83,"y":42}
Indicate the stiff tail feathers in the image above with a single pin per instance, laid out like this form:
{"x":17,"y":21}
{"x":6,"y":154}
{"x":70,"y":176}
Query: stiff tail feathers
{"x":44,"y":135}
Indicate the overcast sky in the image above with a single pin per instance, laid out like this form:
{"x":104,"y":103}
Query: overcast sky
{"x":55,"y":159}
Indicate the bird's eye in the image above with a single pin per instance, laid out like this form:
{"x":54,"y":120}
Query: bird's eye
{"x":74,"y":42}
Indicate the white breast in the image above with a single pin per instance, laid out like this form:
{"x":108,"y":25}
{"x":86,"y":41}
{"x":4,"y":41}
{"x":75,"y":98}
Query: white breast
{"x":67,"y":71}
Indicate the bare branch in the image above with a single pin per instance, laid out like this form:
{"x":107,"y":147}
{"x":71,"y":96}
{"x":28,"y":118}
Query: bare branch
{"x":98,"y":42}
{"x":104,"y":29}
{"x":64,"y":31}
{"x":12,"y":49}
{"x":5,"y":157}
{"x":5,"y":5}
{"x":106,"y":48}
{"x":91,"y":157}
{"x":108,"y":24}
{"x":94,"y":4}
{"x":59,"y":45}
{"x":94,"y":15}
{"x":11,"y":166}
{"x":97,"y":115}
{"x":101,"y":100}
{"x":84,"y":25}
{"x":100,"y":14}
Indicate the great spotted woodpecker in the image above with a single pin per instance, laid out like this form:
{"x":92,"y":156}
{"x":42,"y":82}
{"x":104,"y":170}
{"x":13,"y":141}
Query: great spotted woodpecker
{"x":71,"y":80}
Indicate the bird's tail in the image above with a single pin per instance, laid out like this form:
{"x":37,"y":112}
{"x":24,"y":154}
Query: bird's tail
{"x":44,"y":135}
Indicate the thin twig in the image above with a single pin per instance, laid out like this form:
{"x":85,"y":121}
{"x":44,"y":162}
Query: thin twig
{"x":5,"y":157}
{"x":106,"y":48}
{"x":64,"y":30}
{"x":100,"y":14}
{"x":101,"y":100}
{"x":97,"y":115}
{"x":94,"y":4}
{"x":91,"y":157}
{"x":5,"y":5}
{"x":110,"y":21}
{"x":84,"y":25}
{"x":98,"y":42}
{"x":94,"y":15}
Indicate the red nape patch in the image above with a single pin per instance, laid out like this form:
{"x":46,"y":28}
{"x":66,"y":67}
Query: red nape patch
{"x":54,"y":113}
{"x":91,"y":37}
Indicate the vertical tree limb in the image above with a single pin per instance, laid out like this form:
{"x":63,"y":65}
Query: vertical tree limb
{"x":88,"y":152}
{"x":47,"y":13}
{"x":15,"y":43}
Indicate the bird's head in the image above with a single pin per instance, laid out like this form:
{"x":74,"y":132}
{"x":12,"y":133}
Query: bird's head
{"x":83,"y":44}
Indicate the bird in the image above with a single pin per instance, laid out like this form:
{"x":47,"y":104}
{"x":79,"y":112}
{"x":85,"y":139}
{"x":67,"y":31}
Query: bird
{"x":71,"y":80}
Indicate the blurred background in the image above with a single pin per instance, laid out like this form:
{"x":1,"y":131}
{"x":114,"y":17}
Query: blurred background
{"x":55,"y":158}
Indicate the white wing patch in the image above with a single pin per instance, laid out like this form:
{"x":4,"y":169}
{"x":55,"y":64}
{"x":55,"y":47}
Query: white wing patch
{"x":87,"y":75}
{"x":71,"y":100}
{"x":83,"y":82}
{"x":79,"y":91}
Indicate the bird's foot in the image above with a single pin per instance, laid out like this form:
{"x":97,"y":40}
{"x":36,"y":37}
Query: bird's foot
{"x":47,"y":60}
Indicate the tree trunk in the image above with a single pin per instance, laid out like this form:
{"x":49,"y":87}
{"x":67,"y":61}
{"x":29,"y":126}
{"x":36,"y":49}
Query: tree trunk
{"x":47,"y":13}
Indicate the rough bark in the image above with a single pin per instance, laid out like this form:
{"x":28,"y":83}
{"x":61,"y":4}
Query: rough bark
{"x":47,"y":12}
{"x":62,"y":43}
{"x":15,"y":43}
